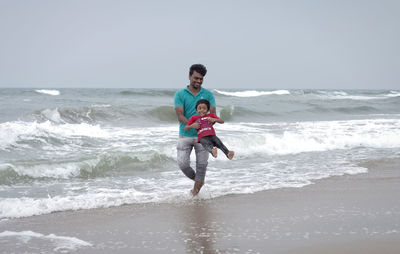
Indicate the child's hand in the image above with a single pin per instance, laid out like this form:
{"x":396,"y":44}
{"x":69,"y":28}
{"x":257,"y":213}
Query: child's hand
{"x":212,"y":120}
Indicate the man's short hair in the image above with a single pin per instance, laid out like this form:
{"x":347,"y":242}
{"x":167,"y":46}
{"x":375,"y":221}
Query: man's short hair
{"x":199,"y":68}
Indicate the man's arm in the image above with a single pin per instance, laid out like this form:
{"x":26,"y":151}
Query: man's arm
{"x":213,"y":110}
{"x":180,"y":114}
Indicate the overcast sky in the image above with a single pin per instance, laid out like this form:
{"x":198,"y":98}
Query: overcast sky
{"x":244,"y":44}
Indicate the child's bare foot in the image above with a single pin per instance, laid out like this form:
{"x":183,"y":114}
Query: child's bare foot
{"x":230,"y":154}
{"x":214,"y":152}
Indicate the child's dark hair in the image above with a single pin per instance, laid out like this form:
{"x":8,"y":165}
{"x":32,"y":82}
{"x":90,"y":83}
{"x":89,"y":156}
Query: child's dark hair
{"x":203,"y":101}
{"x":199,"y":68}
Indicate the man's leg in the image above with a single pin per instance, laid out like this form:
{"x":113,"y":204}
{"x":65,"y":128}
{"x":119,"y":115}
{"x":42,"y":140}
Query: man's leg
{"x":201,"y":167}
{"x":184,"y":149}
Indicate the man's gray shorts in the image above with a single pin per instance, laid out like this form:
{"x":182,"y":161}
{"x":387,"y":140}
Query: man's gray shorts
{"x":184,"y":149}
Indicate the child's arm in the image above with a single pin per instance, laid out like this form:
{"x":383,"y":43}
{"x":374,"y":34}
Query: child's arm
{"x":215,"y":119}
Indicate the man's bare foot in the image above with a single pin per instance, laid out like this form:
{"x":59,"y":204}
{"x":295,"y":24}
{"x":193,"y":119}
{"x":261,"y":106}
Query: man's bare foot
{"x":196,"y":188}
{"x":214,"y":152}
{"x":230,"y":155}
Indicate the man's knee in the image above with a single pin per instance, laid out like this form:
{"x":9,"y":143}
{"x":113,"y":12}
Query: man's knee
{"x":189,"y":172}
{"x":183,"y":164}
{"x":202,"y":166}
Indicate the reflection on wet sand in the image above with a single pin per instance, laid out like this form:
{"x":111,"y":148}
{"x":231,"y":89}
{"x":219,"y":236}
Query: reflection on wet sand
{"x":199,"y":232}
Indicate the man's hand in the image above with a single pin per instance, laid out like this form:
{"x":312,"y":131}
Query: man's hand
{"x":196,"y":125}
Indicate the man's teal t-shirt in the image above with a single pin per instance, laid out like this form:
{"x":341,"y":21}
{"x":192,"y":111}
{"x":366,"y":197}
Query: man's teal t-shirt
{"x":185,"y":98}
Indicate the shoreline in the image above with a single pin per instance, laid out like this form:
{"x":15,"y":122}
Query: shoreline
{"x":352,"y":213}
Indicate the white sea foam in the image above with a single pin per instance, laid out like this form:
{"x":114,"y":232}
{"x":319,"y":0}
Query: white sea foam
{"x":12,"y":133}
{"x":101,"y":105}
{"x":171,"y":187}
{"x":52,"y":115}
{"x":312,"y":136}
{"x":294,"y":137}
{"x":345,"y":96}
{"x":54,"y":170}
{"x":95,"y":198}
{"x":253,"y":93}
{"x":340,"y":95}
{"x":393,"y":94}
{"x":268,"y":156}
{"x":265,"y":140}
{"x":357,"y":97}
{"x":59,"y":242}
{"x":49,"y":92}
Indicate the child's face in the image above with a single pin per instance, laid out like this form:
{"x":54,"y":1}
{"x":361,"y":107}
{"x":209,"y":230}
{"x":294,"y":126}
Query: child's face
{"x":202,"y":109}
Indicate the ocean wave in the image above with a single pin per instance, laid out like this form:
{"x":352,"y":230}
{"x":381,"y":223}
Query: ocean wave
{"x":149,"y":92}
{"x":67,"y":137}
{"x":48,"y":92}
{"x":163,"y":113}
{"x":103,"y":114}
{"x":291,"y":137}
{"x":109,"y":165}
{"x":356,"y":97}
{"x":238,"y":112}
{"x":23,"y":207}
{"x":171,"y":187}
{"x":102,"y":166}
{"x":28,"y":135}
{"x":252,"y":93}
{"x":294,"y":138}
{"x":344,"y":110}
{"x":341,"y":95}
{"x":393,"y":94}
{"x":140,"y":190}
{"x":12,"y":174}
{"x":87,"y":114}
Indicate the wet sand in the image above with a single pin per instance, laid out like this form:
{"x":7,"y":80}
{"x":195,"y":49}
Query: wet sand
{"x":347,"y":214}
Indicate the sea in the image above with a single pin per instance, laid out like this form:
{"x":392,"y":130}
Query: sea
{"x":72,"y":149}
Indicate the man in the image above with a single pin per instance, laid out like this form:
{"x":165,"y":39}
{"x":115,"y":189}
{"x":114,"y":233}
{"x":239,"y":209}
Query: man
{"x":185,"y":106}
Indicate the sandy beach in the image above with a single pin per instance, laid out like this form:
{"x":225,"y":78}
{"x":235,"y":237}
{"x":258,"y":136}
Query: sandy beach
{"x":347,"y":214}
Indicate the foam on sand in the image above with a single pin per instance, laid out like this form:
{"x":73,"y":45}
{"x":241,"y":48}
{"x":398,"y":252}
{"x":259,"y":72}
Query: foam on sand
{"x":60,"y":242}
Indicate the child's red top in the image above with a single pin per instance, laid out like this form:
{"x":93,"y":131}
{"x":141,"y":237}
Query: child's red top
{"x":206,"y":129}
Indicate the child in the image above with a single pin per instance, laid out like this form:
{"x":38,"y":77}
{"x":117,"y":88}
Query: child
{"x":205,"y":131}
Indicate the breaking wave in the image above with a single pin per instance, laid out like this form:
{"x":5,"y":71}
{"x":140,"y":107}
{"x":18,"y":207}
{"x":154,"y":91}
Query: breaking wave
{"x":253,"y":93}
{"x":48,"y":92}
{"x":101,"y":166}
